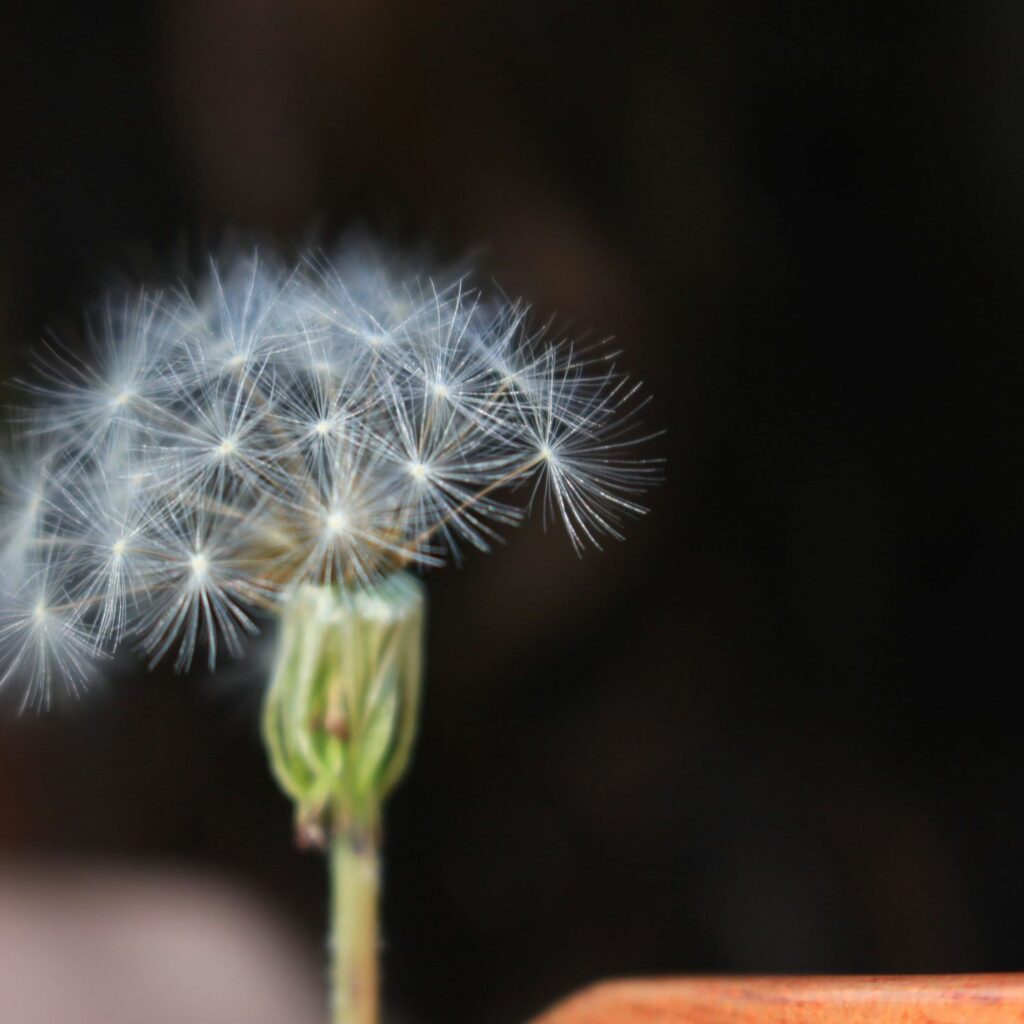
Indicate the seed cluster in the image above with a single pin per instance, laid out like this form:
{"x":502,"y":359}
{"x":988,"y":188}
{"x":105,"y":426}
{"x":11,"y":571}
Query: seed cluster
{"x":274,"y":424}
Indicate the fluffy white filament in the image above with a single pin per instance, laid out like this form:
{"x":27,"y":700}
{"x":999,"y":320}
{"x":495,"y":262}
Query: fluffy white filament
{"x":268,"y":426}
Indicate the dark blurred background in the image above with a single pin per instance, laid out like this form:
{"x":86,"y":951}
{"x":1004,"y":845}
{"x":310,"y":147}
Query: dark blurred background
{"x":778,"y":729}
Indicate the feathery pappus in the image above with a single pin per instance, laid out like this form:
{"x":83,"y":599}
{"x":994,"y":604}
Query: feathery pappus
{"x":271,"y":425}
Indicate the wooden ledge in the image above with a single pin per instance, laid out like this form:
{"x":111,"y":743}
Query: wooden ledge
{"x":882,"y":999}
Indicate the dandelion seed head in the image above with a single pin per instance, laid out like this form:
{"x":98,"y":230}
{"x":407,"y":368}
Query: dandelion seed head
{"x":267,"y":425}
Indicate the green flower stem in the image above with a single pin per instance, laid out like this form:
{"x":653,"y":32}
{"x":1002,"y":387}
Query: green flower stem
{"x":339,"y":721}
{"x":354,"y":942}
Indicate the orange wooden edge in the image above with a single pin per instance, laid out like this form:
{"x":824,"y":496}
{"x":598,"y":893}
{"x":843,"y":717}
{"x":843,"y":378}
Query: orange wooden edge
{"x":926,"y":999}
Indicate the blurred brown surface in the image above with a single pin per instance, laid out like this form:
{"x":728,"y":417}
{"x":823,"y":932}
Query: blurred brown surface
{"x":942,"y":999}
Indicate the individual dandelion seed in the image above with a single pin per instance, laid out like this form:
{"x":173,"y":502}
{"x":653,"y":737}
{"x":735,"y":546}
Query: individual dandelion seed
{"x":42,"y":635}
{"x":291,"y":441}
{"x":235,"y":316}
{"x":198,"y":580}
{"x":591,"y":476}
{"x":104,"y":534}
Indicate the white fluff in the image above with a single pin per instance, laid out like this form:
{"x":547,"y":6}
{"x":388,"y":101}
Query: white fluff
{"x":271,"y":426}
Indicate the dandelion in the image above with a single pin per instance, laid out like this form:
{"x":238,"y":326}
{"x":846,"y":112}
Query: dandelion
{"x":295,"y":442}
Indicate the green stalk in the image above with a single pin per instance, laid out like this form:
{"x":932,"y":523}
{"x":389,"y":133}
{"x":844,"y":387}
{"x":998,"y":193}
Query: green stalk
{"x":354,"y":942}
{"x":339,"y":721}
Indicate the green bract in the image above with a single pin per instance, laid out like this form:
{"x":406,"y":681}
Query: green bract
{"x":340,"y":715}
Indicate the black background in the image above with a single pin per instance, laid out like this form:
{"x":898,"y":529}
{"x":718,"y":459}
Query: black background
{"x":778,"y":729}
